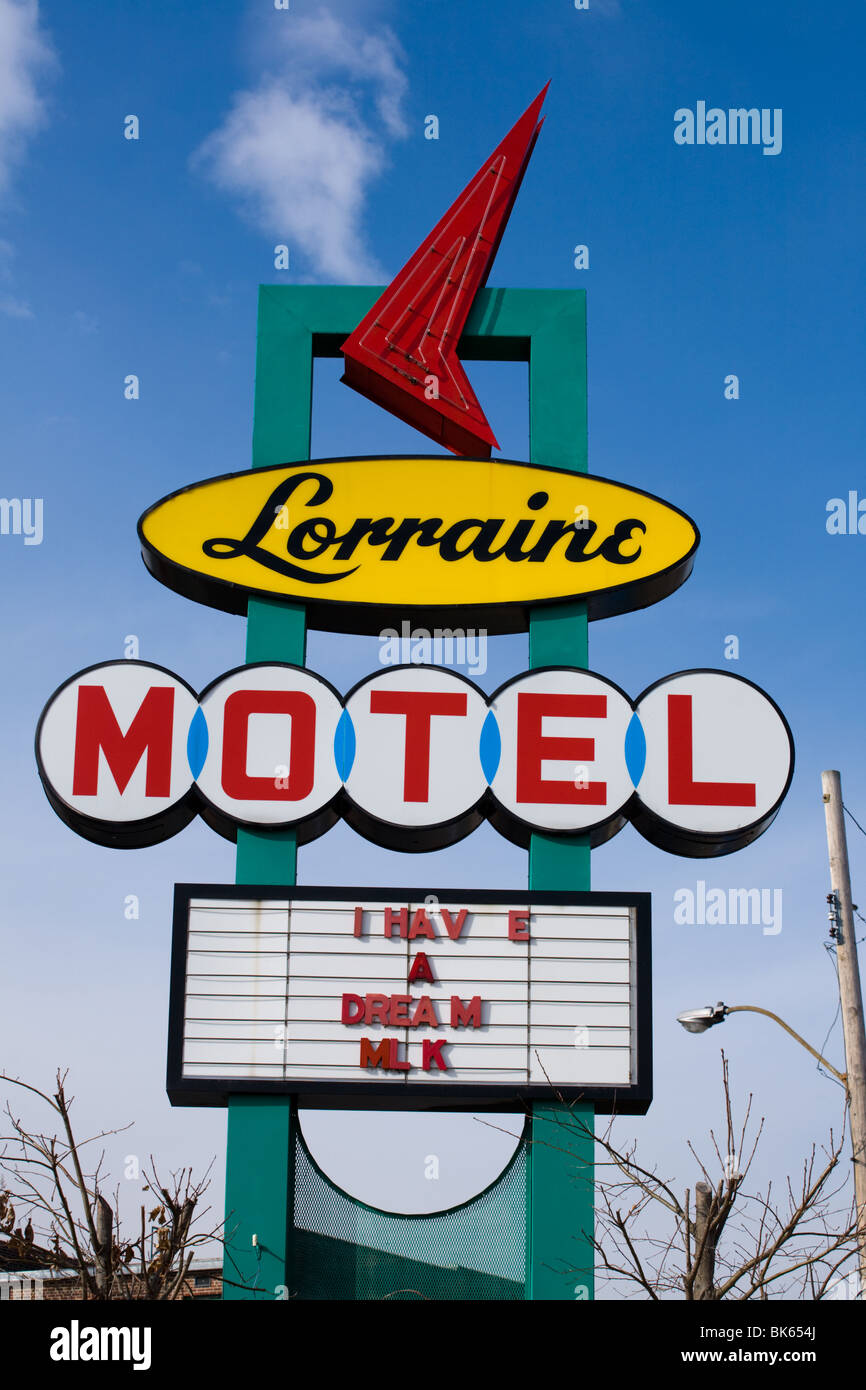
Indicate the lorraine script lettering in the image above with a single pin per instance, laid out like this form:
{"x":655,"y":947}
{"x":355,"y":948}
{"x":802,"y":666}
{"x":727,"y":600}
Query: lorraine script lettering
{"x":484,"y":539}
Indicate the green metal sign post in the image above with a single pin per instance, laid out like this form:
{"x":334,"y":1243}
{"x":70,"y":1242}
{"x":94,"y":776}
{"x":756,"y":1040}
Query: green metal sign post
{"x":547,"y":329}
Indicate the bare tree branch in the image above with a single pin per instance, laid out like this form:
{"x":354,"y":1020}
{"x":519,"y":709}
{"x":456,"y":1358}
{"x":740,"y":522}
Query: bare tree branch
{"x":45,"y":1175}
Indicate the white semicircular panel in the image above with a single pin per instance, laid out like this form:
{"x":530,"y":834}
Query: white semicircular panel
{"x":433,"y":1161}
{"x":719,"y":758}
{"x":562,"y":765}
{"x":112,"y":745}
{"x":270,"y":754}
{"x":417,"y":736}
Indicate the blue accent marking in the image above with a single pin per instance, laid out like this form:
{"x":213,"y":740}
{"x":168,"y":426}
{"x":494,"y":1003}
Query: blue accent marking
{"x":344,"y":745}
{"x":635,"y":749}
{"x":197,"y":741}
{"x":490,"y":746}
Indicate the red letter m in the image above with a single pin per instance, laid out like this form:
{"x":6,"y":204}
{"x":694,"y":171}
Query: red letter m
{"x":149,"y":733}
{"x":465,"y":1015}
{"x":375,"y":1056}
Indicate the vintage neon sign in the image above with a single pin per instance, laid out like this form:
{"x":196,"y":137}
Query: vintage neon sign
{"x":414,"y":757}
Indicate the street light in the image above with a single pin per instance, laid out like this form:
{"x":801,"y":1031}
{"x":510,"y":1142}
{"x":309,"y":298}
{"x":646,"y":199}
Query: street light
{"x":699,"y":1020}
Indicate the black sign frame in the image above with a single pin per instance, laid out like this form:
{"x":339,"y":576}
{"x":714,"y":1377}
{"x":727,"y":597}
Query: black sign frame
{"x":633,"y":1099}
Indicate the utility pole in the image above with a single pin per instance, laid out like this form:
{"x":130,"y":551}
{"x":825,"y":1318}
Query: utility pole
{"x":102,"y":1253}
{"x":705,"y":1259}
{"x":850,"y":996}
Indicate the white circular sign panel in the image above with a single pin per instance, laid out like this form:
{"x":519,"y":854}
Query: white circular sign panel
{"x":126,"y":753}
{"x":111,"y":748}
{"x":270,"y":745}
{"x":719,"y":760}
{"x":562,"y":766}
{"x":416,"y":766}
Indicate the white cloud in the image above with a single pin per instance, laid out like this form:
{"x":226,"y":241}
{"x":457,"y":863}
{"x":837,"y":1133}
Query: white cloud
{"x":24,"y":55}
{"x":300,"y":149}
{"x":15,"y":308}
{"x":323,"y":44}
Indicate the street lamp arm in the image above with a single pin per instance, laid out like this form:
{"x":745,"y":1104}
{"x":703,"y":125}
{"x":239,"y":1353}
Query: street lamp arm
{"x":754,"y":1009}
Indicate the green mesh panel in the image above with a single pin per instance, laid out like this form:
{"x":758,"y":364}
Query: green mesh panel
{"x":342,"y":1249}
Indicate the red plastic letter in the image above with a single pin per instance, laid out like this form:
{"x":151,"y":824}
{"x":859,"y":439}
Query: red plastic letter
{"x":421,"y":925}
{"x":353,"y":1009}
{"x":419,"y":707}
{"x":394,"y":1061}
{"x":454,"y":926}
{"x":533,"y":748}
{"x":378,"y":1008}
{"x":432,"y":1052}
{"x":239,"y":706}
{"x":400,"y":1010}
{"x":518,"y":925}
{"x":465,"y":1015}
{"x":374,"y":1056}
{"x":150,"y":732}
{"x":682,"y":790}
{"x":402,"y":921}
{"x":425,"y":1014}
{"x":421,"y":970}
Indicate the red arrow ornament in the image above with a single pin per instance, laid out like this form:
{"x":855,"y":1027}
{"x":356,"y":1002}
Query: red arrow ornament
{"x":403,"y":354}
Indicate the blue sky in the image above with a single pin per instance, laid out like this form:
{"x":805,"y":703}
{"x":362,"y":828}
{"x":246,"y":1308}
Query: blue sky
{"x":306,"y":126}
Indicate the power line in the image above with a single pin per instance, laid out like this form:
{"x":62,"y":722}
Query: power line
{"x":854,"y":907}
{"x":830,"y":953}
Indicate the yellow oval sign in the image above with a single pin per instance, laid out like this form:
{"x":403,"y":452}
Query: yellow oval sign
{"x":357,"y":540}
